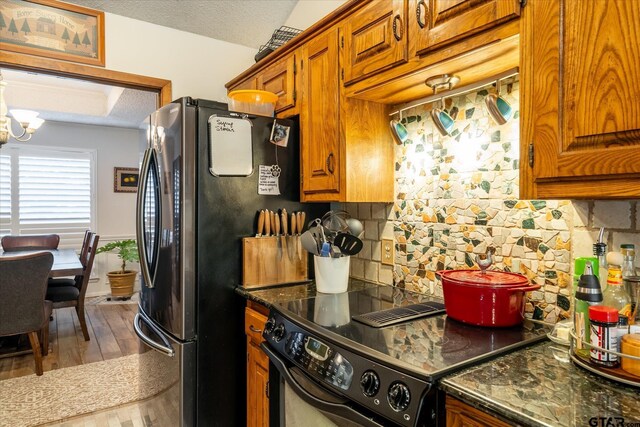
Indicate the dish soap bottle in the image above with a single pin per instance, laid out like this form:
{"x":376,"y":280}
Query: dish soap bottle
{"x":615,"y":294}
{"x":588,"y":293}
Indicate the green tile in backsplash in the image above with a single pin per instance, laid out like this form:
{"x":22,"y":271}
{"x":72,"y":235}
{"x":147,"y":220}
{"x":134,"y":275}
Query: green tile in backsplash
{"x":457,"y":195}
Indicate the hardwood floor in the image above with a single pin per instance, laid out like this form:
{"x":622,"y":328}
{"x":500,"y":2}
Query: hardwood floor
{"x":110,"y":329}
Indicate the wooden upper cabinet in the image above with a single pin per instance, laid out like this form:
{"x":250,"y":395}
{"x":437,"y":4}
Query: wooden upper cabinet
{"x":249,"y":83}
{"x":436,"y":23}
{"x":320,"y":115}
{"x":580,"y":128}
{"x":374,"y":38}
{"x":280,"y":78}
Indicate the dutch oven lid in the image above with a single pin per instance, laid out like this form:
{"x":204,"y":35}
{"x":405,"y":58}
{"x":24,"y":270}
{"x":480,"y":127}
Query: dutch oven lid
{"x":490,"y":277}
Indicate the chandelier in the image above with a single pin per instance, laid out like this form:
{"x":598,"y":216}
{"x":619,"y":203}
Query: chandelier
{"x":28,"y":120}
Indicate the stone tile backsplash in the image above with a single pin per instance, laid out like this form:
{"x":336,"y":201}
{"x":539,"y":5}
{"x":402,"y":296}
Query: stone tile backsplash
{"x":457,"y":195}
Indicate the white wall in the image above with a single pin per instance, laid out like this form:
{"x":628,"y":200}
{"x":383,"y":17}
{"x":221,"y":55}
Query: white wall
{"x":197,"y":66}
{"x":308,"y":12}
{"x":115,"y":211}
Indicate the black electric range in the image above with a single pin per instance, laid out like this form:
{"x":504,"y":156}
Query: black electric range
{"x":378,"y":376}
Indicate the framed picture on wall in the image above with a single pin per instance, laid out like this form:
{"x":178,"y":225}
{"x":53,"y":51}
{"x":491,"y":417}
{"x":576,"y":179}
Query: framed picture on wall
{"x":52,"y":29}
{"x":125,"y":180}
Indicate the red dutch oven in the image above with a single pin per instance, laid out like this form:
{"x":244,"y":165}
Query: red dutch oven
{"x":490,"y":298}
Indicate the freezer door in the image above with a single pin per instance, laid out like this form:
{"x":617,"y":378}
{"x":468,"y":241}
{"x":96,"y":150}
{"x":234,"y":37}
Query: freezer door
{"x":166,"y":221}
{"x":167,"y":372}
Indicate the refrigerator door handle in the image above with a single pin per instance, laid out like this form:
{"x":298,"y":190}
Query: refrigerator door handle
{"x":164,"y":348}
{"x":142,"y":190}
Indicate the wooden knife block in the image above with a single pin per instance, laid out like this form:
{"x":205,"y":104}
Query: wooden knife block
{"x":262,"y":266}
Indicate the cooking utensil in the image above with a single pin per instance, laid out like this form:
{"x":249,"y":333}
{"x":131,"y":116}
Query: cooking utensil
{"x":347,"y":243}
{"x":355,"y":227}
{"x":260,"y":223}
{"x":495,"y":298}
{"x":267,"y":223}
{"x":284,"y":218}
{"x":309,"y":243}
{"x":276,"y":232}
{"x":292,"y":238}
{"x":300,"y":217}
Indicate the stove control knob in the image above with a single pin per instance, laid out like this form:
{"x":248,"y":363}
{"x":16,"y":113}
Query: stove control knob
{"x":278,"y":332}
{"x":398,"y":396}
{"x":269,"y":325}
{"x":370,"y":383}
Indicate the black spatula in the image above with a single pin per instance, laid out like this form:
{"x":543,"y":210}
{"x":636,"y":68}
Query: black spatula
{"x":348,"y":244}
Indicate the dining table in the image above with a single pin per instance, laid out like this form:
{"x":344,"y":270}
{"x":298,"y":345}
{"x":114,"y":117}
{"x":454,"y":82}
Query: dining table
{"x":65,"y":261}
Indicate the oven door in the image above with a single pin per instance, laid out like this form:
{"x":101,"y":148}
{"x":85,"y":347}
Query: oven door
{"x":304,"y":402}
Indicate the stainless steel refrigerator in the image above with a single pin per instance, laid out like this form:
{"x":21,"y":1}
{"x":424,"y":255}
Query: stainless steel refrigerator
{"x":197,"y":197}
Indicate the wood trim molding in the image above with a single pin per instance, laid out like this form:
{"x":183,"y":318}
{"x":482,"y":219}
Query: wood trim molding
{"x":85,"y":72}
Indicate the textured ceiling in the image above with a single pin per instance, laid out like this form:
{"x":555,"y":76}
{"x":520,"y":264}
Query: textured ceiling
{"x":76,"y":101}
{"x":245,"y":22}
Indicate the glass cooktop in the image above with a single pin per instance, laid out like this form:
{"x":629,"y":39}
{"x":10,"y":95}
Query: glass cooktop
{"x":431,"y":346}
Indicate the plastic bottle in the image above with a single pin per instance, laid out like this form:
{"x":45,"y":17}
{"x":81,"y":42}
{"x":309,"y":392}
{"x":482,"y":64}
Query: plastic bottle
{"x":615,"y":294}
{"x":588,"y":293}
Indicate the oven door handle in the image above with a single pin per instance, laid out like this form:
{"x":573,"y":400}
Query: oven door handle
{"x":319,"y":398}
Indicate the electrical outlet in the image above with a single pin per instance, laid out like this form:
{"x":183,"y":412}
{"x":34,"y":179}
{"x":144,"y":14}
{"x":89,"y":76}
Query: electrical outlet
{"x":388,"y":251}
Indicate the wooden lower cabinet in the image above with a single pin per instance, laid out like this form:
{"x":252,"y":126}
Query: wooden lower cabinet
{"x":460,"y":414}
{"x":257,"y":370}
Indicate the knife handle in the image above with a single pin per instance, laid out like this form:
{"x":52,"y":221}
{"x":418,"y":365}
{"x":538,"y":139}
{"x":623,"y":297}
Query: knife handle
{"x":301,"y":218}
{"x":276,"y":220}
{"x":267,"y":223}
{"x":293,"y":223}
{"x":284,"y":221}
{"x":260,"y":222}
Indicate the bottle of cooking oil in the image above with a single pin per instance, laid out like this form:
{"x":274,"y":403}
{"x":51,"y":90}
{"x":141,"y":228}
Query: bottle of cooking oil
{"x":615,"y":294}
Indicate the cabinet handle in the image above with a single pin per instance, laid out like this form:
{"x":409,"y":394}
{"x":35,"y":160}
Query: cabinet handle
{"x":421,"y":21}
{"x":254,"y":330}
{"x":397,"y":27}
{"x":330,"y":165}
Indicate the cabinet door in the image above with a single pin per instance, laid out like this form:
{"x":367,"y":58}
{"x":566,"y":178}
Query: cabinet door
{"x":257,"y":386}
{"x":460,"y":414}
{"x":257,"y":370}
{"x":374,"y":39}
{"x":319,"y":116}
{"x":280,"y":79}
{"x":580,"y":132}
{"x":436,"y":23}
{"x":250,"y":83}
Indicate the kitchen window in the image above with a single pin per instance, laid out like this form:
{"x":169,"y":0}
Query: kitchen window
{"x":45,"y":190}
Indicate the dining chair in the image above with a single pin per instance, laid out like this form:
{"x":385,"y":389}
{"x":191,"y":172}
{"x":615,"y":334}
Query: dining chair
{"x":56,"y":281}
{"x":71,"y":292}
{"x":26,"y":243}
{"x":23,"y":308}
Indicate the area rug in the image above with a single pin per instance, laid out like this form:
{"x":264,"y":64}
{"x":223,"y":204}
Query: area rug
{"x":68,"y":392}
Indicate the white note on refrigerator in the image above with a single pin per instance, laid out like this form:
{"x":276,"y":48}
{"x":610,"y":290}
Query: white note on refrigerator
{"x":268,"y":182}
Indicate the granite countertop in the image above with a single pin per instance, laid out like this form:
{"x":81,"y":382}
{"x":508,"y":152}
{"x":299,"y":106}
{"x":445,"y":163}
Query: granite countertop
{"x":539,"y":386}
{"x":279,"y":294}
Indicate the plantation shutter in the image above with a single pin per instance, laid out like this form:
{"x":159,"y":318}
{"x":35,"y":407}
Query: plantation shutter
{"x":54,"y":193}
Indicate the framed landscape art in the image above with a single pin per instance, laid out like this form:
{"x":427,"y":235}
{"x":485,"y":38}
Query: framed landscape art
{"x":52,"y":29}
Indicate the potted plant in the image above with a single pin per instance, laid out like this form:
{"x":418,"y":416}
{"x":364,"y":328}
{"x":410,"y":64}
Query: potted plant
{"x":122,"y":281}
